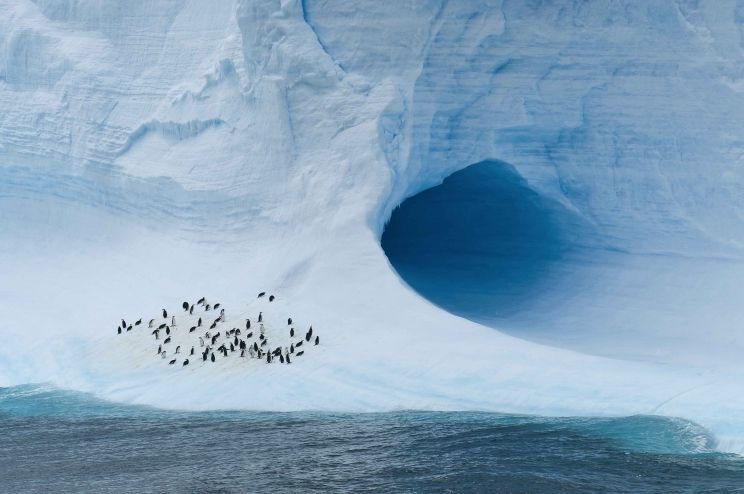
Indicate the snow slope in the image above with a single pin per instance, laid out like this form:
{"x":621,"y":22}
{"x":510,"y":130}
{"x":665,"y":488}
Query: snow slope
{"x":165,"y":150}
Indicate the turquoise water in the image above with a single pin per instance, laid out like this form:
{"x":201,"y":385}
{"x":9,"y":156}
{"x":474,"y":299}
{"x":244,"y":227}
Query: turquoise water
{"x":59,"y":441}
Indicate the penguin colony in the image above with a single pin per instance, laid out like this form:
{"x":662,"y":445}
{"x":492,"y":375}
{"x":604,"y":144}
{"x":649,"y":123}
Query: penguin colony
{"x":208,"y":335}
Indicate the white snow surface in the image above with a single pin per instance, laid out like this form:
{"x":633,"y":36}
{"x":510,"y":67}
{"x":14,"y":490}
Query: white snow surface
{"x":159,"y":151}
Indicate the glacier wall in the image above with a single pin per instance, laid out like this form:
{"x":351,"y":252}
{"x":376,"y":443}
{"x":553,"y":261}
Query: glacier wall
{"x":163,"y":150}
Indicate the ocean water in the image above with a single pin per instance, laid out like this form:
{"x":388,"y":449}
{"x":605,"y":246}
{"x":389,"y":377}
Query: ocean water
{"x":60,"y":441}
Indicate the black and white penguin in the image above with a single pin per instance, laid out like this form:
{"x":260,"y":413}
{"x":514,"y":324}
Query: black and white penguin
{"x":291,"y":332}
{"x":123,"y":323}
{"x":271,"y":298}
{"x":167,"y":330}
{"x":264,"y":342}
{"x":232,"y":347}
{"x":249,"y":335}
{"x":185,"y":306}
{"x":178,"y":349}
{"x":152,"y":321}
{"x":255,"y":346}
{"x":288,"y":361}
{"x":214,"y":325}
{"x":192,"y":351}
{"x":217,"y":306}
{"x":119,"y":330}
{"x":165,"y":314}
{"x":235,"y":341}
{"x":139,"y":321}
{"x":268,"y":358}
{"x":317,"y":340}
{"x":172,"y":362}
{"x":160,"y":349}
{"x":213,"y":358}
{"x":260,"y":317}
{"x":299,"y":344}
{"x":191,"y":310}
{"x":281,"y":358}
{"x":156,"y":332}
{"x":289,"y":321}
{"x":186,"y":362}
{"x":204,"y":355}
{"x":291,"y":348}
{"x":242,"y":353}
{"x":167,"y":340}
{"x":198,"y":323}
{"x":207,"y":307}
{"x":129,"y":328}
{"x":200,"y":301}
{"x":192,"y":329}
{"x":201,"y":341}
{"x":300,"y":353}
{"x":162,"y":355}
{"x":162,"y":326}
{"x":309,"y":334}
{"x":261,"y":294}
{"x":173,"y":320}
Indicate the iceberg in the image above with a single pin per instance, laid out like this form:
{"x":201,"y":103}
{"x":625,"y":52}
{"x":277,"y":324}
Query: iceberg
{"x":154,"y":152}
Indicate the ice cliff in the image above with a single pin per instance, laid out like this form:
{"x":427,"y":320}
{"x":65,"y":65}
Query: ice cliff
{"x":155,"y":151}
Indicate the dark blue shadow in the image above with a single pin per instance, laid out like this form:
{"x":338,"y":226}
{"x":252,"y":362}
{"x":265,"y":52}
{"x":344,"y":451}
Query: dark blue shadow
{"x":482,"y":244}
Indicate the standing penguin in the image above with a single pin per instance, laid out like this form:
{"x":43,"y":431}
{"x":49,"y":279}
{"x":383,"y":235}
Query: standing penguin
{"x":185,"y":306}
{"x":191,"y":310}
{"x":260,"y":317}
{"x":151,"y":323}
{"x":247,"y":324}
{"x":213,"y":359}
{"x":289,"y":321}
{"x":139,"y":321}
{"x":309,"y":334}
{"x":271,"y":298}
{"x":119,"y":330}
{"x":291,"y":332}
{"x":178,"y":349}
{"x":201,"y":341}
{"x":165,"y":314}
{"x":173,"y":320}
{"x":186,"y":362}
{"x":261,"y":294}
{"x":317,"y":340}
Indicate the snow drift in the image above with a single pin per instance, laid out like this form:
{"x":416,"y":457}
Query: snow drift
{"x":159,"y":151}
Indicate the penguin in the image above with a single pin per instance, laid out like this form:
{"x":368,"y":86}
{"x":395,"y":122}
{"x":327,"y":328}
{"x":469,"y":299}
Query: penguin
{"x":186,"y":362}
{"x":167,"y":330}
{"x":204,"y":356}
{"x":213,"y":359}
{"x":281,"y":358}
{"x":200,"y":301}
{"x":260,"y":317}
{"x":214,"y":325}
{"x":185,"y":306}
{"x":236,"y":340}
{"x":162,"y":326}
{"x":123,"y":323}
{"x":291,"y":348}
{"x":192,"y":329}
{"x":118,"y":329}
{"x":242,"y":345}
{"x":165,"y":314}
{"x":249,"y":335}
{"x":129,"y":328}
{"x":268,"y":358}
{"x":207,"y":307}
{"x":173,"y":320}
{"x":271,"y":298}
{"x":289,"y":321}
{"x":160,"y":349}
{"x":309,"y":334}
{"x":261,"y":337}
{"x":162,"y":355}
{"x":156,"y":332}
{"x":191,"y":310}
{"x":192,"y":351}
{"x":242,"y":353}
{"x":247,"y":324}
{"x":201,"y":341}
{"x":214,"y":338}
{"x":198,"y":323}
{"x":261,"y":294}
{"x":222,"y":315}
{"x":317,"y":340}
{"x":232,"y":347}
{"x":167,"y":340}
{"x":172,"y":362}
{"x":288,"y":361}
{"x":207,"y":334}
{"x":237,"y":332}
{"x":151,"y":323}
{"x":217,"y":306}
{"x":264,"y":342}
{"x":300,"y":353}
{"x":139,"y":321}
{"x":277,"y":350}
{"x":291,"y":332}
{"x":299,"y":344}
{"x":255,"y":346}
{"x":178,"y":349}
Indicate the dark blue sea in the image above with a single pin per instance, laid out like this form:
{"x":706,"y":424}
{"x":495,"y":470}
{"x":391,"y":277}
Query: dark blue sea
{"x":59,"y":441}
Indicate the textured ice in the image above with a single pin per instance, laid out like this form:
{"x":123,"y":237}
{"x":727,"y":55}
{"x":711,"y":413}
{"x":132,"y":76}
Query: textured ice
{"x":157,"y":151}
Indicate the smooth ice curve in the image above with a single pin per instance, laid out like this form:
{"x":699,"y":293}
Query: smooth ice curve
{"x":259,"y":145}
